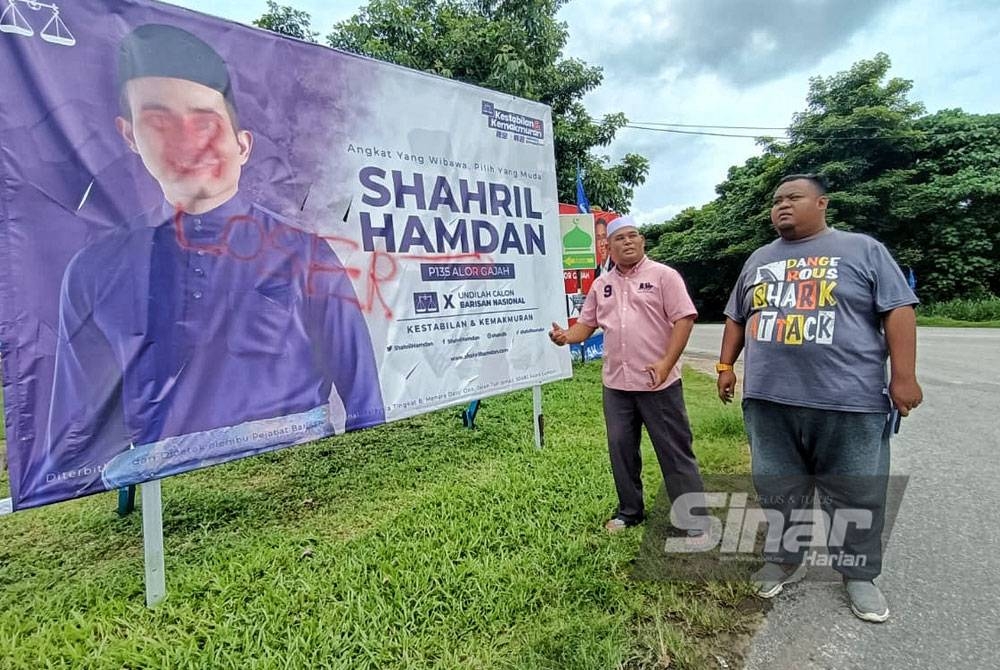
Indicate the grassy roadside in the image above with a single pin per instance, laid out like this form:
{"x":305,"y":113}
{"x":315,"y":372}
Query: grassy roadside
{"x":947,"y":322}
{"x":982,"y":312}
{"x":414,"y":545}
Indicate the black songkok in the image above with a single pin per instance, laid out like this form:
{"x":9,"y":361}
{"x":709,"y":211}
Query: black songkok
{"x":155,"y":50}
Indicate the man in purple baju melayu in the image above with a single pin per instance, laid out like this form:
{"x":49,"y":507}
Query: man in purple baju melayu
{"x":214,"y":330}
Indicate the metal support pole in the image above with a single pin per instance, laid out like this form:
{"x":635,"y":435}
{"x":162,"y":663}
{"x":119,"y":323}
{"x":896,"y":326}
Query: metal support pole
{"x":469,"y":414}
{"x":536,"y":394}
{"x":126,"y":500}
{"x":152,"y":538}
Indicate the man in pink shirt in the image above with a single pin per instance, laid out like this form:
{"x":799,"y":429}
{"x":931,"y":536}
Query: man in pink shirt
{"x":646,"y":314}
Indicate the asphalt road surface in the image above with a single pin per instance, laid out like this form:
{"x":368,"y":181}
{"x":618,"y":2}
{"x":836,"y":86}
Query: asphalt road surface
{"x":941,"y":572}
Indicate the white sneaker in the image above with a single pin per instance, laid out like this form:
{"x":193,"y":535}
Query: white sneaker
{"x":867,"y":601}
{"x":771,"y":578}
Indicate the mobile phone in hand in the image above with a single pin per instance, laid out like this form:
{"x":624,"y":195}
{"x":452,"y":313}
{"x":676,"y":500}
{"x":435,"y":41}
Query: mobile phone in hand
{"x":895,"y":418}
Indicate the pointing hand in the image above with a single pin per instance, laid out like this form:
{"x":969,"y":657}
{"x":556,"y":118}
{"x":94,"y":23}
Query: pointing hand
{"x":557,"y":334}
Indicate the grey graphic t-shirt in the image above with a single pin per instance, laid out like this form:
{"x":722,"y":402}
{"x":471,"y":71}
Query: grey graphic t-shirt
{"x":813,"y":311}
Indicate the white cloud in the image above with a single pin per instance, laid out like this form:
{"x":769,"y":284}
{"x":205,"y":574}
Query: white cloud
{"x":744,"y":42}
{"x":947,"y":48}
{"x":657,"y":215}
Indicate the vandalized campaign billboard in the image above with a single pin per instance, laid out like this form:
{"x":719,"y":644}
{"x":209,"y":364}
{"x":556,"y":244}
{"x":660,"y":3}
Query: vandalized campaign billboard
{"x":215,"y":242}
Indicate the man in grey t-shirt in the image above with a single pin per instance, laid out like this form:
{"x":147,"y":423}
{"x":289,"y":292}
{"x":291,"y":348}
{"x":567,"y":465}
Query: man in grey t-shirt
{"x":818,"y":311}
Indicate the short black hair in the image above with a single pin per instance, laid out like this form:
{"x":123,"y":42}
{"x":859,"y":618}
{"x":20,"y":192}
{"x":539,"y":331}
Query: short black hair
{"x":158,"y":50}
{"x":817,"y":180}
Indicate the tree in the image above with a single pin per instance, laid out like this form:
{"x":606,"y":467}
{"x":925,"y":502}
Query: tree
{"x":945,"y":215}
{"x":287,"y":21}
{"x":927,"y":186}
{"x":708,"y":245}
{"x":513,"y":46}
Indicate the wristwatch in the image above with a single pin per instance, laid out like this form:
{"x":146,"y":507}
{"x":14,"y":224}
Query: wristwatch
{"x":723,"y":367}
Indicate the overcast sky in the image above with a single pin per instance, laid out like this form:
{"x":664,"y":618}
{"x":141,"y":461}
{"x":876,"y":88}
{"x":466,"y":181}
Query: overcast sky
{"x":739,"y":63}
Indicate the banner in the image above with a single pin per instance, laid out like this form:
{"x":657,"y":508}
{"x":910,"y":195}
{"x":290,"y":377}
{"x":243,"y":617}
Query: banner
{"x":577,"y":241}
{"x":601,"y":221}
{"x":215,"y":242}
{"x":576,"y":284}
{"x":590,"y":349}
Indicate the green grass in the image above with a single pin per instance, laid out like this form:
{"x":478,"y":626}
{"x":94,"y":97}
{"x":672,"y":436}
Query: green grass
{"x":976,"y":313}
{"x":414,"y":545}
{"x":946,"y":322}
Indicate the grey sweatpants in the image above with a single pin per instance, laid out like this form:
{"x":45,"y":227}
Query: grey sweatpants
{"x":665,"y":417}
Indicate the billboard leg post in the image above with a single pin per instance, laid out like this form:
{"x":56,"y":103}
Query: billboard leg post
{"x":469,"y":414}
{"x":536,"y":395}
{"x":126,"y":500}
{"x":152,"y":538}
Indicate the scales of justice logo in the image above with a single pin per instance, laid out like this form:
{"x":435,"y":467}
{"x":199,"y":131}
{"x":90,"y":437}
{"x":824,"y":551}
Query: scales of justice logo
{"x":55,"y":31}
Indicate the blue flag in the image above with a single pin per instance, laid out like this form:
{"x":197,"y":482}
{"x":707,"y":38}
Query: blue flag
{"x":581,"y":198}
{"x":911,"y":279}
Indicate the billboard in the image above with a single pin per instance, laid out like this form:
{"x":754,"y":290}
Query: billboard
{"x":215,"y":242}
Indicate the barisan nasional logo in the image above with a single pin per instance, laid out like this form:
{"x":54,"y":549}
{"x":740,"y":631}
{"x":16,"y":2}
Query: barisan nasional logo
{"x":14,"y":21}
{"x":425,"y":303}
{"x":514,"y":126}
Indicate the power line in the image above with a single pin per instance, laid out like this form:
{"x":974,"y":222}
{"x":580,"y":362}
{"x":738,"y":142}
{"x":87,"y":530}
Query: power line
{"x":634,"y":126}
{"x":703,"y":125}
{"x":826,"y":138}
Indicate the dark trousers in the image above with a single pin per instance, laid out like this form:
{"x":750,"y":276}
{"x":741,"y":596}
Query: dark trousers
{"x":665,"y":417}
{"x":801,"y":455}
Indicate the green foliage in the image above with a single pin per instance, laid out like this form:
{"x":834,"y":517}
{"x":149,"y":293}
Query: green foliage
{"x":513,"y":46}
{"x":972,"y":310}
{"x":945,"y":218}
{"x":287,"y":21}
{"x":413,"y":545}
{"x":945,"y":322}
{"x":927,"y":186}
{"x":708,"y":245}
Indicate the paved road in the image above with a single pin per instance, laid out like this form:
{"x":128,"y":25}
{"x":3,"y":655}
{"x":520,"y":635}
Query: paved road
{"x":942,"y":564}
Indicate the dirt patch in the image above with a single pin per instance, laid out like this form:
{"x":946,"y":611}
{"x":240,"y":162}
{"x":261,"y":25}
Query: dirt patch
{"x":730,"y":649}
